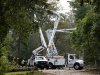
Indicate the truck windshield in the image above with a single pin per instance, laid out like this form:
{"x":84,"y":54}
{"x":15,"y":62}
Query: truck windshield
{"x":39,"y":58}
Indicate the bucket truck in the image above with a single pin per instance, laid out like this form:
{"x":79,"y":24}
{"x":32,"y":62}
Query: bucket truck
{"x":36,"y":59}
{"x":53,"y":59}
{"x":69,"y":60}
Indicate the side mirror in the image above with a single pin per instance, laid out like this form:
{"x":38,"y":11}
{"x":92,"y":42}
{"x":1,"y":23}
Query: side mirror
{"x":48,"y":59}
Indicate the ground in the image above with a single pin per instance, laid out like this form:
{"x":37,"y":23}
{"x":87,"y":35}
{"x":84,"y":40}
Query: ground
{"x":68,"y":72}
{"x":25,"y":73}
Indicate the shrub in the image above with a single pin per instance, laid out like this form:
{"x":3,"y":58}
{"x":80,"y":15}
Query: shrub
{"x":3,"y":64}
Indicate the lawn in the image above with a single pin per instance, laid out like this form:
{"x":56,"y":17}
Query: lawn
{"x":25,"y":73}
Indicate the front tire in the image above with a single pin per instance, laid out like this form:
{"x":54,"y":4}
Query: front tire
{"x":51,"y":66}
{"x":77,"y":66}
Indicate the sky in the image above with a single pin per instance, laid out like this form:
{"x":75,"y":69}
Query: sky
{"x":64,"y":6}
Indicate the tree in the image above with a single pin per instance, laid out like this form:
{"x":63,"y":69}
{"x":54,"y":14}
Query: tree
{"x":21,"y":18}
{"x":85,"y":38}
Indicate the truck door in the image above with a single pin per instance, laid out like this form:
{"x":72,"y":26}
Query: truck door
{"x":71,"y":60}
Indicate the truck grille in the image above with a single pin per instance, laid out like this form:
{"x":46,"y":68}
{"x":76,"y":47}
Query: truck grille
{"x":42,"y":62}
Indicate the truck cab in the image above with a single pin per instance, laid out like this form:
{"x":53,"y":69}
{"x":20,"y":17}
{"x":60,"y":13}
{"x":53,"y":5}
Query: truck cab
{"x":77,"y":64}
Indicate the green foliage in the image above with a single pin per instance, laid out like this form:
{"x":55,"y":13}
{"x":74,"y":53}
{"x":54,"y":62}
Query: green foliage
{"x":3,"y":64}
{"x":3,"y":57}
{"x":86,"y":37}
{"x":18,"y":18}
{"x":25,"y":73}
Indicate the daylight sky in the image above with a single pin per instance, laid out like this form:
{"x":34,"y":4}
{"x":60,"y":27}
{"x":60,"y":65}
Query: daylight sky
{"x":64,"y":6}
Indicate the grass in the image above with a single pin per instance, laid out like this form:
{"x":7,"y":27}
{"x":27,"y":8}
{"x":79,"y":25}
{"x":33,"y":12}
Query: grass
{"x":25,"y":73}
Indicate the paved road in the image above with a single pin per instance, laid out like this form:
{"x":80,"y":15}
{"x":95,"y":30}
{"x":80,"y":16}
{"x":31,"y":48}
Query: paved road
{"x":67,"y":72}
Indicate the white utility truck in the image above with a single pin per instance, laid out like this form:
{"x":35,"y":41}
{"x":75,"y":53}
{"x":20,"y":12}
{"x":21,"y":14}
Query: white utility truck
{"x":69,"y":60}
{"x":38,"y":61}
{"x":54,"y":59}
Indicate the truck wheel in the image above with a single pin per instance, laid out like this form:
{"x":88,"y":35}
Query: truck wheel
{"x":50,"y":65}
{"x":77,"y":66}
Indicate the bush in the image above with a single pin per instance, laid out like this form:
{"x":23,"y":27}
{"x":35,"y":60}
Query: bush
{"x":3,"y":64}
{"x":17,"y":68}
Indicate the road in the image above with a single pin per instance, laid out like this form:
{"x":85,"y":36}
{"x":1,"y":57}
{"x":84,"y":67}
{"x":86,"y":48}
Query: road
{"x":68,"y":72}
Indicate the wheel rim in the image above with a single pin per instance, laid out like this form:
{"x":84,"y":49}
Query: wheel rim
{"x":76,"y":66}
{"x":50,"y":66}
